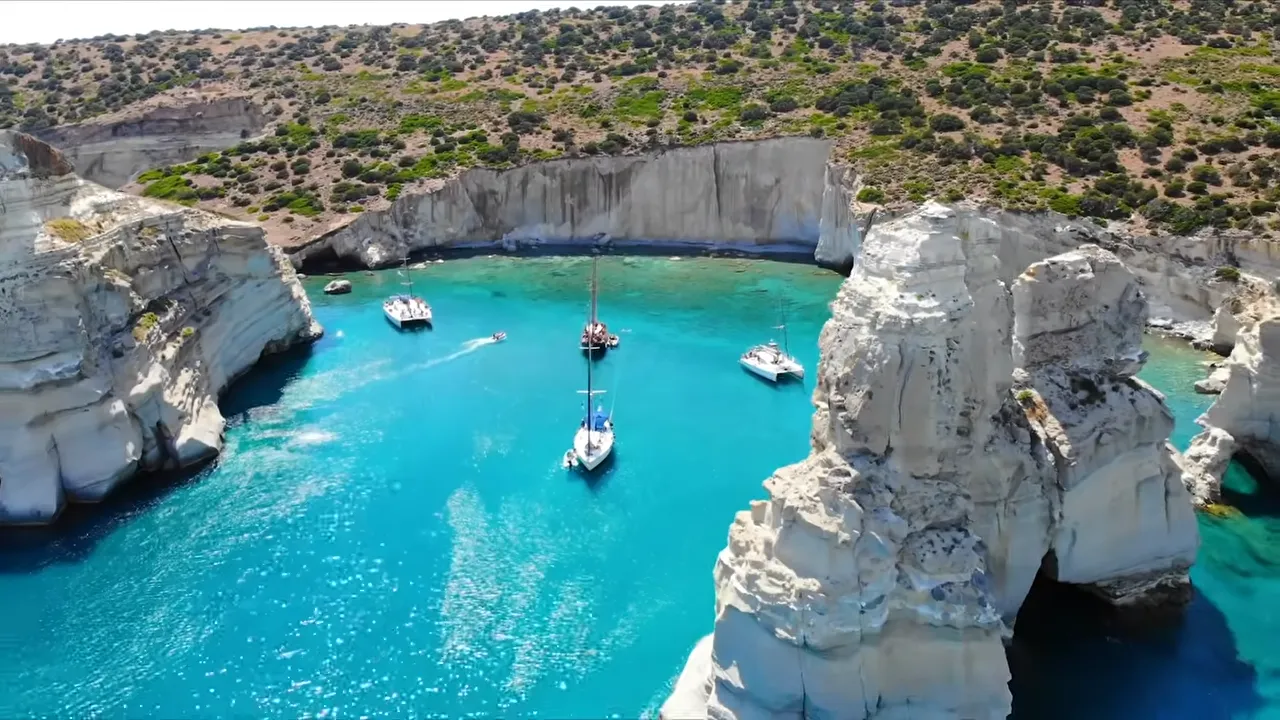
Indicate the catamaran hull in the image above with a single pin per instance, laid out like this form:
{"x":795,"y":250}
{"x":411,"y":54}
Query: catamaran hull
{"x":769,"y":371}
{"x":402,"y":323}
{"x":760,"y":371}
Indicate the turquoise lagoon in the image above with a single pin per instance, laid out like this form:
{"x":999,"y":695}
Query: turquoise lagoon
{"x":390,"y":534}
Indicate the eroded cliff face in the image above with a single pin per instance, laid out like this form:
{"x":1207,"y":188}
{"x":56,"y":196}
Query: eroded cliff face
{"x":1123,"y":522}
{"x":1245,"y":418}
{"x":757,"y":195}
{"x":964,"y":432}
{"x":113,"y":150}
{"x":122,"y":319}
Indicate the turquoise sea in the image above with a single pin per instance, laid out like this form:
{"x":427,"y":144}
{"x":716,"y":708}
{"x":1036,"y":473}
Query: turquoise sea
{"x":389,"y":532}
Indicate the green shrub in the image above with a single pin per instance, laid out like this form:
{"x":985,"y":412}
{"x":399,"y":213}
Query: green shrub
{"x":945,"y":122}
{"x":871,"y":195}
{"x":1228,"y":273}
{"x":144,"y":325}
{"x":753,"y":114}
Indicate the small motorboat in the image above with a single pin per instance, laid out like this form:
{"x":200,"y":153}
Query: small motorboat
{"x":498,"y":336}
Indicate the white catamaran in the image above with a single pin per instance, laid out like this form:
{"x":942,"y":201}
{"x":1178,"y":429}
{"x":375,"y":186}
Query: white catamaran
{"x":770,"y":361}
{"x":406,"y":309}
{"x":595,"y":334}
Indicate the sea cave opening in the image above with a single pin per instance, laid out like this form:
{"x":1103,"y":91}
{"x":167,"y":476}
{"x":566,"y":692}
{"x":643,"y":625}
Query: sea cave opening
{"x":1248,"y":487}
{"x":1068,"y":643}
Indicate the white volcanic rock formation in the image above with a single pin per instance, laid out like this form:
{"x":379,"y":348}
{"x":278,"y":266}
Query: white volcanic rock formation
{"x":768,"y":194}
{"x":170,"y":129}
{"x":1245,"y":418}
{"x":877,"y":578}
{"x":1124,"y":523}
{"x":121,"y":320}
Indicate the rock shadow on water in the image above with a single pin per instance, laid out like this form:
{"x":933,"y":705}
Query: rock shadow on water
{"x":265,"y":383}
{"x":77,"y":531}
{"x":1074,"y":656}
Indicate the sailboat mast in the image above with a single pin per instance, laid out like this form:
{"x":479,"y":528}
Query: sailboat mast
{"x":594,"y":262}
{"x":589,"y":396}
{"x":782,"y":316}
{"x":404,"y":270}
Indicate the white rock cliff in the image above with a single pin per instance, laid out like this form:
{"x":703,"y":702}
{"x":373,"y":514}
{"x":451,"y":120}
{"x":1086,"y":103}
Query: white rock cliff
{"x":114,"y":149}
{"x":1245,"y":418}
{"x":770,"y":194}
{"x":122,"y":319}
{"x":878,"y":578}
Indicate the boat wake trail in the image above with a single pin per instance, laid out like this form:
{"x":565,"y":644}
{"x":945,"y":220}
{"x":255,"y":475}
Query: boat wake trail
{"x":467,"y":348}
{"x":331,"y":386}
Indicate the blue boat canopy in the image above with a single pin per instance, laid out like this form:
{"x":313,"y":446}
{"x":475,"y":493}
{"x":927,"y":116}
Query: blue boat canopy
{"x":598,"y":419}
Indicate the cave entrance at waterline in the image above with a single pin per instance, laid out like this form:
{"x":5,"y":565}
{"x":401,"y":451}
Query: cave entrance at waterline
{"x":1247,"y":487}
{"x":1064,"y":643}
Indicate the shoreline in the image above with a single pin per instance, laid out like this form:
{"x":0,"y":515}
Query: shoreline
{"x":796,"y":253}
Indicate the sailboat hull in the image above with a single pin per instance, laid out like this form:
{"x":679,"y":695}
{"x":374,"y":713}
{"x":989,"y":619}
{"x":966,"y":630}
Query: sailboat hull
{"x":591,"y":453}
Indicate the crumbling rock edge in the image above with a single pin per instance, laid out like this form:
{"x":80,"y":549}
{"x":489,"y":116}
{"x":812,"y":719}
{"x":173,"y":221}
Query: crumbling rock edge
{"x":123,"y":319}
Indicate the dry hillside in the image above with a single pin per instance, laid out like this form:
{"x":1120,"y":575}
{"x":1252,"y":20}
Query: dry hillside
{"x":1166,"y":113}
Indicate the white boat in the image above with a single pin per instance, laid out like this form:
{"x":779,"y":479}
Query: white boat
{"x":770,"y":361}
{"x":406,"y":309}
{"x":595,"y":336}
{"x":593,"y":441}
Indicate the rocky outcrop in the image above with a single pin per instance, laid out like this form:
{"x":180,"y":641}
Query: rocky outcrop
{"x":880,"y":575}
{"x":1177,"y":273}
{"x":1245,"y":418}
{"x":1123,"y":525}
{"x":122,"y":320}
{"x":113,"y":150}
{"x":337,"y":287}
{"x":770,"y":195}
{"x":1252,"y":299}
{"x":1216,"y":381}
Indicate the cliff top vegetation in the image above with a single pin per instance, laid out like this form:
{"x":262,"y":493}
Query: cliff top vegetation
{"x":1165,"y":113}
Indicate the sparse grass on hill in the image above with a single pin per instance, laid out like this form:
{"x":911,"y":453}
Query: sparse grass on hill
{"x":68,"y":229}
{"x":1161,"y":112}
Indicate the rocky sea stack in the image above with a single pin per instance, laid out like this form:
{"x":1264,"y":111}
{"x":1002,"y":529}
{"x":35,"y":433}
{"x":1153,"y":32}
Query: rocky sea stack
{"x":123,"y":319}
{"x":968,"y":435}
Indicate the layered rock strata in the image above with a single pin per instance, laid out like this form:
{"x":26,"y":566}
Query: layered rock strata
{"x":1177,"y":273}
{"x":1245,"y":418}
{"x":122,"y":319}
{"x":767,"y":195}
{"x":878,"y":578}
{"x":114,"y":150}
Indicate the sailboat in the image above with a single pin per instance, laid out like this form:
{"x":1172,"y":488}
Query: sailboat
{"x":406,"y":309}
{"x":593,"y":442}
{"x":595,"y":334}
{"x":770,"y":361}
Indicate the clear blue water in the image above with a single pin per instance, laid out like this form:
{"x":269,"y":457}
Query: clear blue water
{"x":389,"y":532}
